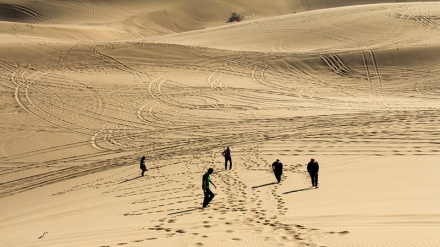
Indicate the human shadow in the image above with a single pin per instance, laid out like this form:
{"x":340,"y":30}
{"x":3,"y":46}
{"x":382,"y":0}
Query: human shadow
{"x":131,"y":179}
{"x":294,"y":191}
{"x":263,"y":185}
{"x":184,"y":211}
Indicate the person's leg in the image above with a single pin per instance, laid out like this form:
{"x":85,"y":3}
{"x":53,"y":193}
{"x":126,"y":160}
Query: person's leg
{"x":226,"y":163}
{"x":313,"y":179}
{"x":205,"y":200}
{"x":230,"y":163}
{"x":279,"y":178}
{"x":143,"y":172}
{"x":211,"y":196}
{"x":208,"y":197}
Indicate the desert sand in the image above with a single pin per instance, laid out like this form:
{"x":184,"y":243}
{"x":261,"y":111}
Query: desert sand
{"x":88,"y":87}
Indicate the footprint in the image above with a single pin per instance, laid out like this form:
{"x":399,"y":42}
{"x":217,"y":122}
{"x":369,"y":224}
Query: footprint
{"x":298,"y":237}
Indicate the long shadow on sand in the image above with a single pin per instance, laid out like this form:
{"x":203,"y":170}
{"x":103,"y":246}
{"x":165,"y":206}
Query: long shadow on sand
{"x":258,"y":186}
{"x":184,"y":211}
{"x":294,"y":191}
{"x":127,"y":180}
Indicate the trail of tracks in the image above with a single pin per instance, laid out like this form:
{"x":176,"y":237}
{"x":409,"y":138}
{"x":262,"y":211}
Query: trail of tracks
{"x":15,"y":9}
{"x":180,"y":113}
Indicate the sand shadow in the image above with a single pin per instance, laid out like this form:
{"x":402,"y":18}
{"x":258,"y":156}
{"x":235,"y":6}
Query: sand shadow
{"x":294,"y":191}
{"x":131,"y":179}
{"x":259,"y":186}
{"x":184,"y":211}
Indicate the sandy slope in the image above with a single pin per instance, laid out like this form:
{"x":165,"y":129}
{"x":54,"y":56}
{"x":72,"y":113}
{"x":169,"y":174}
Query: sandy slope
{"x":377,"y":26}
{"x":88,"y":87}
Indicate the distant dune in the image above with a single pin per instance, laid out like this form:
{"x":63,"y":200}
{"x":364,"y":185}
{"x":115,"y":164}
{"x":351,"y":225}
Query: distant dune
{"x":87,"y":87}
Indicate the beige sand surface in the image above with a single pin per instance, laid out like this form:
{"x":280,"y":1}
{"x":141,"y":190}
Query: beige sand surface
{"x":87,"y":87}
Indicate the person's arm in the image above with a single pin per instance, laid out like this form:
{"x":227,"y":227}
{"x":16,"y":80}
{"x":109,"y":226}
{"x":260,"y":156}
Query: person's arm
{"x":213,"y":184}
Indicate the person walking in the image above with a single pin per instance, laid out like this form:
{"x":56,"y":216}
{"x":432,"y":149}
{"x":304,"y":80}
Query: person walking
{"x":206,"y":180}
{"x":143,"y":166}
{"x":313,"y":169}
{"x":227,"y":154}
{"x":277,"y":168}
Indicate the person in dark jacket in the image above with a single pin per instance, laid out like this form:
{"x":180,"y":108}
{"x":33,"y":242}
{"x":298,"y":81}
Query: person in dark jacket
{"x":227,"y":154}
{"x":143,"y":166}
{"x":206,"y":180}
{"x":277,"y":168}
{"x":313,"y":169}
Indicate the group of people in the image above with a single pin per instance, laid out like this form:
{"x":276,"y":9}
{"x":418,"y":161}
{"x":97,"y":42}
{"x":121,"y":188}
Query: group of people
{"x":226,"y":153}
{"x":206,"y":179}
{"x":312,"y":169}
{"x":277,"y":168}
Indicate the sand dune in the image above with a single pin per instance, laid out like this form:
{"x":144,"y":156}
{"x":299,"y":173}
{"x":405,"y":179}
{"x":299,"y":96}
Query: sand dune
{"x":88,"y":87}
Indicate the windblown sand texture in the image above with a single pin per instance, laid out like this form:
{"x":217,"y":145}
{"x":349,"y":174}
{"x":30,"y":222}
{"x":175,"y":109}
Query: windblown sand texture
{"x":87,"y":87}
